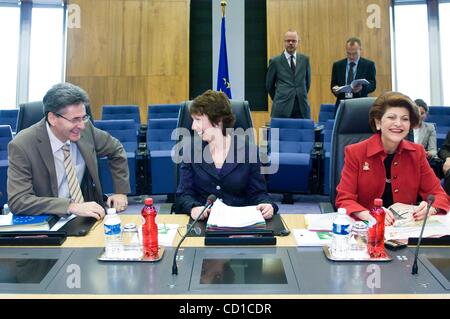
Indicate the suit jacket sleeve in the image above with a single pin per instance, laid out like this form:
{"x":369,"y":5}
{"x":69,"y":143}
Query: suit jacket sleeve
{"x":186,"y":195}
{"x":445,"y":148}
{"x":347,"y":190}
{"x":430,"y":184}
{"x":432,"y":141}
{"x":271,"y":78}
{"x":371,"y":77}
{"x":106,"y":145}
{"x":308,"y":75}
{"x":256,"y":188}
{"x":21,"y":196}
{"x":334,"y":79}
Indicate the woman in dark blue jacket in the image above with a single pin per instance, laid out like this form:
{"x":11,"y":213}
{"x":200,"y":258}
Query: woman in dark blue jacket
{"x":221,"y":163}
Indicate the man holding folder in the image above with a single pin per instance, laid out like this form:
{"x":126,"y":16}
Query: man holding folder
{"x":353,"y":67}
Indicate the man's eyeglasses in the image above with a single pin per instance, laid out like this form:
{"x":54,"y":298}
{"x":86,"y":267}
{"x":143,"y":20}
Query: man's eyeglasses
{"x":75,"y":120}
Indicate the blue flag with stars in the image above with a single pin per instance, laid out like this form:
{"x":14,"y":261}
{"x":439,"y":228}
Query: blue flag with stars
{"x":223,"y":80}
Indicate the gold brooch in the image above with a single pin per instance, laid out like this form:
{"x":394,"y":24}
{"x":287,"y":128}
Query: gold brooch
{"x":366,"y":166}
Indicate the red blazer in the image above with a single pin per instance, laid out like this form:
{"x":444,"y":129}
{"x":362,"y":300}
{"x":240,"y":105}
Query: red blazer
{"x":364,"y":176}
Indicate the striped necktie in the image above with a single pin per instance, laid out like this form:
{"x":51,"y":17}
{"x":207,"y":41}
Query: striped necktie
{"x":72,"y":180}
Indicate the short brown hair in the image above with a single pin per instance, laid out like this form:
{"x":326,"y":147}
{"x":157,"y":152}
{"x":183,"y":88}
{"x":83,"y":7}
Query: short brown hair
{"x":353,"y":40}
{"x":216,"y":106}
{"x":393,"y":99}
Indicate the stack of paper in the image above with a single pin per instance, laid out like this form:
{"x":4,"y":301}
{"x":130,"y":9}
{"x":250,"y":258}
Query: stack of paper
{"x":229,"y":218}
{"x":13,"y":222}
{"x":320,"y":222}
{"x":307,"y":238}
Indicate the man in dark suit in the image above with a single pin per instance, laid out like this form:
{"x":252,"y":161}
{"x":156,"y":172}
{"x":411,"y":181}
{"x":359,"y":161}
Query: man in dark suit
{"x":53,"y":164}
{"x":351,"y":68}
{"x":288,"y":80}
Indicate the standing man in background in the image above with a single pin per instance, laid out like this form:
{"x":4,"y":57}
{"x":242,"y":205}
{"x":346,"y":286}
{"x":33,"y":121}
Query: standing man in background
{"x":351,"y":68}
{"x":288,"y":80}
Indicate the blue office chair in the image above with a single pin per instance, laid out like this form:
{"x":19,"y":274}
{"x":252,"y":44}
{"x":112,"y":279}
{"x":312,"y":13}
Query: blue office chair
{"x":440,"y":115}
{"x":350,"y":126}
{"x":159,"y":145}
{"x":125,"y":132}
{"x":122,"y":112}
{"x":328,"y":130}
{"x":9,"y":117}
{"x":163,"y":111}
{"x":5,"y":138}
{"x":326,"y":113}
{"x":292,"y":154}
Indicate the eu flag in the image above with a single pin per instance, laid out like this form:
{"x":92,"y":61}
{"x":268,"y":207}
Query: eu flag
{"x":223,"y":80}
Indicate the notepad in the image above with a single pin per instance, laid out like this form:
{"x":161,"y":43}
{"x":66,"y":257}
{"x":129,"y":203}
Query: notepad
{"x":13,"y":222}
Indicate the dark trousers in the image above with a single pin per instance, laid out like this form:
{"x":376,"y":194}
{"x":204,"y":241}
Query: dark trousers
{"x":296,"y":112}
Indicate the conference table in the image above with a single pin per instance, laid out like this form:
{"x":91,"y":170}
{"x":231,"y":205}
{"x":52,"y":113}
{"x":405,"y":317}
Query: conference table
{"x":280,"y":271}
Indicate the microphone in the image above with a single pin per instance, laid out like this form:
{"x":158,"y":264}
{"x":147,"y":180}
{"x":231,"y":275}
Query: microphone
{"x":209,"y":202}
{"x":430,"y":201}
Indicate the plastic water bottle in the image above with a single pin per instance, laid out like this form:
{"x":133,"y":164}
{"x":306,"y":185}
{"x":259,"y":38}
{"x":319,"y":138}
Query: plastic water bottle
{"x":113,"y":234}
{"x":341,"y":234}
{"x":149,"y":229}
{"x":375,"y":243}
{"x":6,"y":210}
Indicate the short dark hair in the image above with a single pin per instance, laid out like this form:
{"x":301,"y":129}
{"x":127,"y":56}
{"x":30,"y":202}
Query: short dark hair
{"x":421,"y":103}
{"x":61,"y":95}
{"x":353,"y":40}
{"x":216,"y":106}
{"x":393,"y":99}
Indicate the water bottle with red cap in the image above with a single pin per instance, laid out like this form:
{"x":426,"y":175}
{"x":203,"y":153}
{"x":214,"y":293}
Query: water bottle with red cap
{"x":375,"y":243}
{"x":149,"y":229}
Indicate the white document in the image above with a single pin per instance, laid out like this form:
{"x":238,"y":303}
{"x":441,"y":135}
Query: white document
{"x":308,"y":238}
{"x":349,"y":88}
{"x":320,"y":222}
{"x":436,"y":226}
{"x":223,"y":215}
{"x":166,"y":234}
{"x":6,"y":220}
{"x":62,"y":221}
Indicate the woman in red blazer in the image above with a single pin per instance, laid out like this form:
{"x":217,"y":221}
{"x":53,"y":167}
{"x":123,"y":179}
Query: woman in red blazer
{"x":387,"y":166}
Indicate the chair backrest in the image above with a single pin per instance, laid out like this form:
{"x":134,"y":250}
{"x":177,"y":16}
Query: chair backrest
{"x":122,"y":112}
{"x":123,"y":130}
{"x":32,"y":112}
{"x":5,"y":138}
{"x":241,"y":111}
{"x":440,"y":115}
{"x":9,"y":117}
{"x":327,"y":133}
{"x":326,"y":113}
{"x":163,"y":111}
{"x":350,"y":126}
{"x":295,"y":135}
{"x":159,"y":134}
{"x":29,"y":114}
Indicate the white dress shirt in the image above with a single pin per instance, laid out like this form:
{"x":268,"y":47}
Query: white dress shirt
{"x":58,"y":156}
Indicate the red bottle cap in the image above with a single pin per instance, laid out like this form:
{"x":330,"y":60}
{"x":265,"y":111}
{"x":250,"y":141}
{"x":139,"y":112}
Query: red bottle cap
{"x":148,"y":201}
{"x":378,"y":202}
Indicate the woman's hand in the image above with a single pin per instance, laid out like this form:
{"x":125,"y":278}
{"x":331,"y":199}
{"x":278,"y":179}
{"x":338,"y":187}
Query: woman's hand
{"x":389,"y":218}
{"x":419,"y":212}
{"x":266,"y":210}
{"x":197,"y":211}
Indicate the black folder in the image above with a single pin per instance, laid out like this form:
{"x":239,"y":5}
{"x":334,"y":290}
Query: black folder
{"x":439,"y":241}
{"x":240,"y":237}
{"x":32,"y":238}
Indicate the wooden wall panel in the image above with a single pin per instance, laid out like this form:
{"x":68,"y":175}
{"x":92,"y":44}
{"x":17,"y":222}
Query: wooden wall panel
{"x":324,"y":26}
{"x":130,"y":52}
